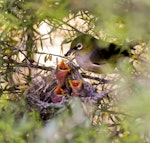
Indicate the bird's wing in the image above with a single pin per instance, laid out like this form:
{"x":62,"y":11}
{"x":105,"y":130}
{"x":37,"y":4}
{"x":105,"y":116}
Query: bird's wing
{"x":108,"y":53}
{"x":99,"y":55}
{"x":101,"y":52}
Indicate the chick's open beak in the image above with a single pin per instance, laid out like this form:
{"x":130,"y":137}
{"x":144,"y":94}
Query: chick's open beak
{"x":77,"y":86}
{"x":59,"y":91}
{"x":57,"y":94}
{"x":61,"y":72}
{"x":63,"y":67}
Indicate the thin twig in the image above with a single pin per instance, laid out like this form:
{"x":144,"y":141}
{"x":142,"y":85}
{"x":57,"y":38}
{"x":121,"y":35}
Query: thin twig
{"x":101,"y":80}
{"x":29,"y":65}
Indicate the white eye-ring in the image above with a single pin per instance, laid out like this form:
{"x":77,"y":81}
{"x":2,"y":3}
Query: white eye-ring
{"x":79,"y":46}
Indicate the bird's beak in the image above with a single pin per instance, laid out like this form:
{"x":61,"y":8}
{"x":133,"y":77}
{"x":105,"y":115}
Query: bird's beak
{"x":57,"y":94}
{"x":70,"y":51}
{"x":77,"y":86}
{"x":61,"y":72}
{"x":63,"y":67}
{"x":59,"y":91}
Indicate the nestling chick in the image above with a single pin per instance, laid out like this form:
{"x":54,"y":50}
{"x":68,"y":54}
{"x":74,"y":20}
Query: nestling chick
{"x":61,"y":73}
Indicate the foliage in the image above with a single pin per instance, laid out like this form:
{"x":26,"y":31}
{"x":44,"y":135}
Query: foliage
{"x":123,"y":116}
{"x":16,"y":124}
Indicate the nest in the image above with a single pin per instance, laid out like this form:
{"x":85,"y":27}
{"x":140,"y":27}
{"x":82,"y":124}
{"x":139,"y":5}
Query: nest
{"x":39,"y":95}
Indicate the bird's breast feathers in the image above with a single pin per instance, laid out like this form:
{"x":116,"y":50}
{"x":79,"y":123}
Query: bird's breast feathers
{"x":85,"y":62}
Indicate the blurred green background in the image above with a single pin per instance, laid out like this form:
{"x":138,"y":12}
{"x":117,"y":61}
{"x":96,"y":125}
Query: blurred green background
{"x":34,"y":35}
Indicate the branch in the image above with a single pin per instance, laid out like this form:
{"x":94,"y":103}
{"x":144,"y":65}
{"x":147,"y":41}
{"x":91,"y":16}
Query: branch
{"x":101,"y":80}
{"x":29,"y":65}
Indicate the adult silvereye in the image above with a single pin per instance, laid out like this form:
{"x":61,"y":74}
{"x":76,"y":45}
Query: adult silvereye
{"x":96,"y":55}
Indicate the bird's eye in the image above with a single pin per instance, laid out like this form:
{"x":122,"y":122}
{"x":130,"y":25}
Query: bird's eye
{"x":79,"y":46}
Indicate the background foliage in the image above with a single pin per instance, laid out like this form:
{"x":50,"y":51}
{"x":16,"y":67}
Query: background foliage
{"x":123,"y":116}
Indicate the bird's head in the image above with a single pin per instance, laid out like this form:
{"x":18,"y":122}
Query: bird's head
{"x":83,"y":44}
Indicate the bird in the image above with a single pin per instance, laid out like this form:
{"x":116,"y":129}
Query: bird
{"x":96,"y":55}
{"x":57,"y":94}
{"x":77,"y":86}
{"x":62,"y":71}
